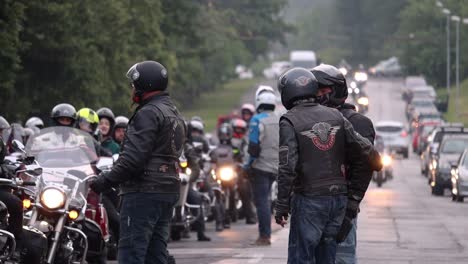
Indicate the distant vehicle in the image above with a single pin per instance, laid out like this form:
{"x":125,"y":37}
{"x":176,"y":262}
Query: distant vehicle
{"x":388,"y":68}
{"x":448,"y":153}
{"x":303,"y":58}
{"x":420,"y":117}
{"x":410,"y":83}
{"x":419,"y":105}
{"x":459,"y":178}
{"x":423,"y":92}
{"x":394,"y":136}
{"x":421,"y":134}
{"x":433,"y":141}
{"x":277,"y":68}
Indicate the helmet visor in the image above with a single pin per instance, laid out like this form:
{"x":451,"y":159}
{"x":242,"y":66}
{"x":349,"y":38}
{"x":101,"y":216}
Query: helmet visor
{"x":133,"y":74}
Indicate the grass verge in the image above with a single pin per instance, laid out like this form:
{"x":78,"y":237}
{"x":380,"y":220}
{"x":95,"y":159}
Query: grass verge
{"x":451,"y":115}
{"x":219,"y":102}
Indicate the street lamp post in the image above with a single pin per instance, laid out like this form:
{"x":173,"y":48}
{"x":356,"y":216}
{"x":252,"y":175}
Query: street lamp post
{"x":457,"y":20}
{"x":447,"y":13}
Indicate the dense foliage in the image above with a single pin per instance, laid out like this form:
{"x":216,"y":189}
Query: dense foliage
{"x":79,"y":51}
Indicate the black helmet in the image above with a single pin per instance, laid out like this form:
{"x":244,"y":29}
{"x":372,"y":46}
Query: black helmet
{"x":295,"y":84}
{"x":121,"y":122}
{"x":225,"y":132}
{"x":105,"y":112}
{"x":148,"y":76}
{"x":4,"y":123}
{"x":63,"y":110}
{"x":330,"y":76}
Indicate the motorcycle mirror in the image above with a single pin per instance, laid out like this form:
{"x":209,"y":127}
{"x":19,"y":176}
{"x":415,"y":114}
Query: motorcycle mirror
{"x":18,"y":146}
{"x":34,"y":170}
{"x":104,"y":163}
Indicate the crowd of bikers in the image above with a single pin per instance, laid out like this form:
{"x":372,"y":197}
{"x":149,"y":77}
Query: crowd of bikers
{"x":320,"y":153}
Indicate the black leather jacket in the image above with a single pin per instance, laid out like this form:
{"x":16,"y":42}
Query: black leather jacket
{"x":153,"y":143}
{"x":316,"y":144}
{"x":365,"y":128}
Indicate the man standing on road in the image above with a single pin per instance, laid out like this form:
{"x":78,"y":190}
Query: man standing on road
{"x":147,"y":168}
{"x":316,"y":142}
{"x":263,"y":163}
{"x":333,"y":83}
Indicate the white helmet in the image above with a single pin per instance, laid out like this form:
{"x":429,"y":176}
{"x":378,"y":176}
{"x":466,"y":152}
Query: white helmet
{"x":263,"y":88}
{"x":197,"y":125}
{"x":248,"y":107}
{"x":265,"y":95}
{"x":34,"y":122}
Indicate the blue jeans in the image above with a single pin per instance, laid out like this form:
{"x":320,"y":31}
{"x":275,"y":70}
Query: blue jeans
{"x":261,"y":187}
{"x":144,"y":227}
{"x":315,"y":222}
{"x":346,"y":250}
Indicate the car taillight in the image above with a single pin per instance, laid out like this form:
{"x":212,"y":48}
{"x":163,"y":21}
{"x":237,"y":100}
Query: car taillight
{"x":403,"y":133}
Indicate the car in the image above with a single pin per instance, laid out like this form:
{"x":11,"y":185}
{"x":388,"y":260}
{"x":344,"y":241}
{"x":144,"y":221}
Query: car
{"x":433,"y":141}
{"x":394,"y":135}
{"x":448,"y":152}
{"x":390,"y":67}
{"x":459,"y":179}
{"x":422,"y":92}
{"x":420,"y":117}
{"x":410,"y":82}
{"x":421,"y":134}
{"x":419,"y":104}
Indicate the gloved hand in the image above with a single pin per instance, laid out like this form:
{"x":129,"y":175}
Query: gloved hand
{"x":100,"y":184}
{"x":352,"y":210}
{"x":375,"y":160}
{"x":281,"y":214}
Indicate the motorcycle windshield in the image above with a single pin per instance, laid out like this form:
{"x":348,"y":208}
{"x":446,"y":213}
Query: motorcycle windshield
{"x":66,"y":156}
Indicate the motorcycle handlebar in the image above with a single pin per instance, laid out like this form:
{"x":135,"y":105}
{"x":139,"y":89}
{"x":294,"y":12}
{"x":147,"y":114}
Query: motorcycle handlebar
{"x":27,"y":183}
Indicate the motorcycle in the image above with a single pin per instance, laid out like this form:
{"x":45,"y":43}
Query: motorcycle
{"x":363,"y":103}
{"x":68,"y":214}
{"x":226,"y":175}
{"x":182,"y":216}
{"x":386,"y":173}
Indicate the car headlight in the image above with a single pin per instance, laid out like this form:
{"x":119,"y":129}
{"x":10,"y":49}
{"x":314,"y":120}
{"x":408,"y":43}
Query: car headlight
{"x":363,"y":101}
{"x":386,"y":160}
{"x":226,"y":174}
{"x":52,"y":198}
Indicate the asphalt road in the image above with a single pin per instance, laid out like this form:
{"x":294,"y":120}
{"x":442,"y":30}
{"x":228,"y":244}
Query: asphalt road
{"x":399,"y":223}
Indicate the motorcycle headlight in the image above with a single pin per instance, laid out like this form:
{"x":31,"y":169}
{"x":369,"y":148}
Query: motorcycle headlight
{"x":363,"y":101}
{"x":353,"y":85}
{"x":183,"y":164}
{"x":226,"y":174}
{"x":188,"y":171}
{"x":386,"y":160}
{"x":343,"y":71}
{"x":52,"y":198}
{"x":357,"y":91}
{"x":434,"y":164}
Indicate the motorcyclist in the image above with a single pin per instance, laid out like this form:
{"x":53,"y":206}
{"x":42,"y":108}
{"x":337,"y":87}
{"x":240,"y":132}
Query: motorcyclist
{"x":223,"y":154}
{"x":194,"y":197}
{"x":147,"y":168}
{"x":87,"y":120}
{"x":196,"y":135}
{"x":247,"y":112}
{"x":331,"y":79}
{"x":35,"y":123}
{"x":12,"y":202}
{"x":315,"y":144}
{"x":263,"y":163}
{"x":119,"y":129}
{"x":106,"y":127}
{"x":4,"y":127}
{"x":240,"y":144}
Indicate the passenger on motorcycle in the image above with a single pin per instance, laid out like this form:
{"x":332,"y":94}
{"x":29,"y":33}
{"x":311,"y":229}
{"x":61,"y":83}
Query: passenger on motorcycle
{"x":119,"y":129}
{"x":88,"y":120}
{"x":263,"y":163}
{"x":106,"y":127}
